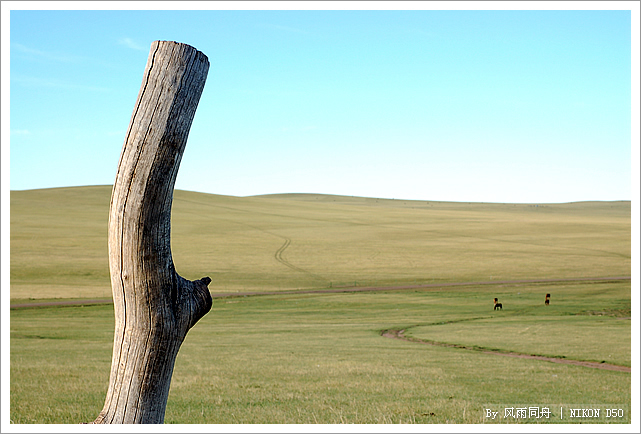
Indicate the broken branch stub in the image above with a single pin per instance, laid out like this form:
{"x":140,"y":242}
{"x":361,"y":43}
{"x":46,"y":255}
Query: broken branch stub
{"x":154,"y":306}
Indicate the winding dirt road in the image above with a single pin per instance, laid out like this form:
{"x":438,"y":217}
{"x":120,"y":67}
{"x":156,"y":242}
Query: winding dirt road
{"x":399,"y":334}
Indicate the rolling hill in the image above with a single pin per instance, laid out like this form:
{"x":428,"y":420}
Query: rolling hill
{"x":303,"y":241}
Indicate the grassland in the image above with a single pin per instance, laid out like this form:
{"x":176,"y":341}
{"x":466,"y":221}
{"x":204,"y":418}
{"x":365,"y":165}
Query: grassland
{"x":284,"y":242}
{"x":312,"y":358}
{"x":321,"y":358}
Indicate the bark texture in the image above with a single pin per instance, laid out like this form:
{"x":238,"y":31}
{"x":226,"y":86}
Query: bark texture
{"x":154,"y":306}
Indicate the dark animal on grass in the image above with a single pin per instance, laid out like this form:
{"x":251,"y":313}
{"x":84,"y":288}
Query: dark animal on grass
{"x":547,"y":299}
{"x":497,"y":305}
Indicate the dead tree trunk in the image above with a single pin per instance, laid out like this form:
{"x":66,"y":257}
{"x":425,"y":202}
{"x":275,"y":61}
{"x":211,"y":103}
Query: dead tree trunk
{"x":154,"y":306}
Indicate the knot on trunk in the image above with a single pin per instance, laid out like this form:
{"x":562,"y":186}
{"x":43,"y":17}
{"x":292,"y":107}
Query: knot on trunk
{"x":195,"y":301}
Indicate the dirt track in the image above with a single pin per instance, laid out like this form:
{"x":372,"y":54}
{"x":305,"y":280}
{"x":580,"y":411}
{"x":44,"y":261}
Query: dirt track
{"x":347,"y":289}
{"x":399,"y":334}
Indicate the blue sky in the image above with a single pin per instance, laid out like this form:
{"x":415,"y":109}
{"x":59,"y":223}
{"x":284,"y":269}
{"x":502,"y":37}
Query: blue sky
{"x":452,"y":105}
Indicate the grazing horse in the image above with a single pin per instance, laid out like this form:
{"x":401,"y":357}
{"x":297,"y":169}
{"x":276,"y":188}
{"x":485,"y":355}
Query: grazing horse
{"x":547,"y":299}
{"x":497,"y":305}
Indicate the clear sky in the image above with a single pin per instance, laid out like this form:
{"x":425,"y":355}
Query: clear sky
{"x":515,"y":106}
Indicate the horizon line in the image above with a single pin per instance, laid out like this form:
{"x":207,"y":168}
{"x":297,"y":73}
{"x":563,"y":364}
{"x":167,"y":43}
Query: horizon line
{"x":343,"y":195}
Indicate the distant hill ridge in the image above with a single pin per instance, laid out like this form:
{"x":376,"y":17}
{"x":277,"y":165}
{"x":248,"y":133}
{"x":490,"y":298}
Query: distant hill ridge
{"x":328,"y":197}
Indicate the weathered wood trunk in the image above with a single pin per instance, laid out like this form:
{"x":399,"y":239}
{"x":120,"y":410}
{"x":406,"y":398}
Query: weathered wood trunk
{"x":154,"y":306}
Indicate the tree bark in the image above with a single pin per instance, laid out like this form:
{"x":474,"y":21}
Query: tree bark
{"x":154,"y":306}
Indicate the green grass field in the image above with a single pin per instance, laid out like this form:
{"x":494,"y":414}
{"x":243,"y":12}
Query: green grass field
{"x":321,"y":358}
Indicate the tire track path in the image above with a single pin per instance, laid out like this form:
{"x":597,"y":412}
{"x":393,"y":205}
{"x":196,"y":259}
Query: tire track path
{"x":400,"y":335}
{"x":278,"y":255}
